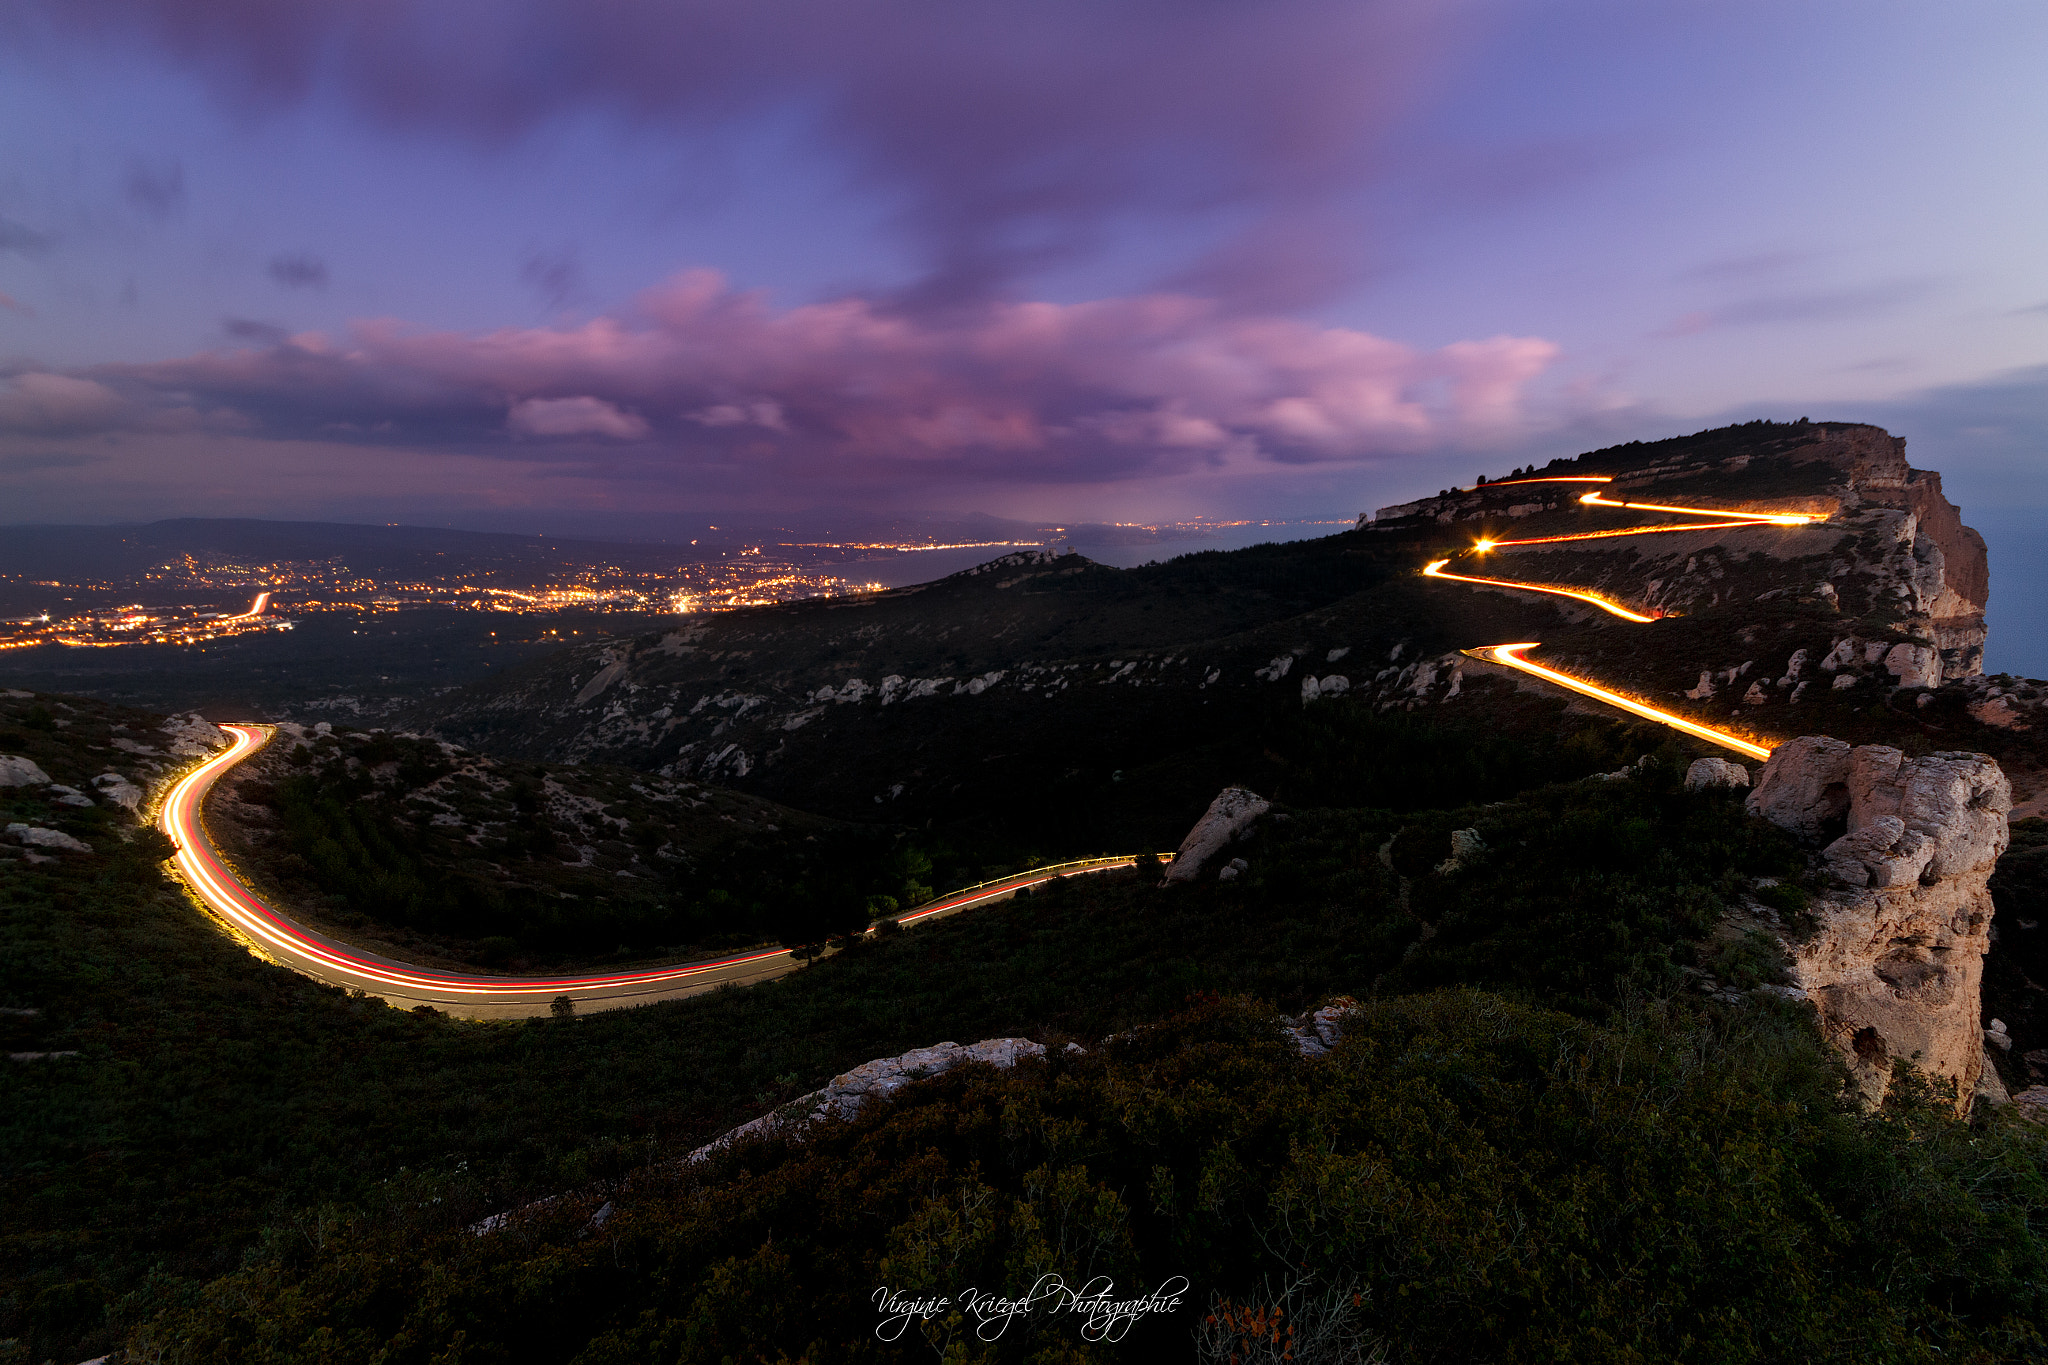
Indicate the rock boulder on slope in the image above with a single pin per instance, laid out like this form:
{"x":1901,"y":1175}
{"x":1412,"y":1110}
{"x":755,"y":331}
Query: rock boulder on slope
{"x":1229,"y":815}
{"x":21,"y":772}
{"x":1715,"y":772}
{"x":1896,"y":966}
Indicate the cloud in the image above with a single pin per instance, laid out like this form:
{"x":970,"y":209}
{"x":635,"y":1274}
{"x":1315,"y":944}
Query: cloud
{"x":1009,"y":136}
{"x":249,"y":329}
{"x":555,"y":275}
{"x":1796,"y":306}
{"x":575,"y":417}
{"x":298,"y":272}
{"x":702,"y":374}
{"x":56,"y":403}
{"x":155,"y":188}
{"x":14,"y":305}
{"x":21,"y":239}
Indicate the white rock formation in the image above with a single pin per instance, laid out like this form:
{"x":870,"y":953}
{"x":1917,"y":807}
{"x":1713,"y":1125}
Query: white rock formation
{"x":1914,"y":665}
{"x":876,"y":1080}
{"x":1715,"y":772}
{"x":119,"y":790}
{"x":21,"y":772}
{"x":35,"y":836}
{"x":193,"y":735}
{"x":1896,"y":966}
{"x":1228,"y":816}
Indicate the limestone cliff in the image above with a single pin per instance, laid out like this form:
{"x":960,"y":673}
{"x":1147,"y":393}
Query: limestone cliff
{"x":1896,"y":964}
{"x":1893,"y":553}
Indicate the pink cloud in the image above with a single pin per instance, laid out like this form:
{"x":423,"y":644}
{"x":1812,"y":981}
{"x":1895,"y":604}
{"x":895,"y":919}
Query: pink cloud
{"x":1108,"y":388}
{"x":584,"y":416}
{"x":57,"y":403}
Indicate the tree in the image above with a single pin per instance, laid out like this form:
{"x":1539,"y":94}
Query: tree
{"x":562,"y":1007}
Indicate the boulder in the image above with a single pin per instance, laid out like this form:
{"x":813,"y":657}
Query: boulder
{"x":193,"y":735}
{"x":35,"y":836}
{"x":68,"y":796}
{"x":21,"y":772}
{"x":1914,"y":665}
{"x":1715,"y":772}
{"x":119,"y":790}
{"x":1232,"y":813}
{"x":1896,"y":965}
{"x":1805,"y":785}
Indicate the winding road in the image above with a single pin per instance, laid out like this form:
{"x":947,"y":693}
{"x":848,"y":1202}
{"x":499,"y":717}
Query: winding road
{"x":280,"y":939}
{"x":1511,"y":655}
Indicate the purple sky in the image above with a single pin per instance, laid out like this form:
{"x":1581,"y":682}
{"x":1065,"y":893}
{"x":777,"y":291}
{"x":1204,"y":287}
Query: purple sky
{"x":543,"y":264}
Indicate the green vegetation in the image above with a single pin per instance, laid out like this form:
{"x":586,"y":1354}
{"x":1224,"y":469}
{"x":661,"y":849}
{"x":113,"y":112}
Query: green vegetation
{"x":1559,"y":1158}
{"x":441,"y":854}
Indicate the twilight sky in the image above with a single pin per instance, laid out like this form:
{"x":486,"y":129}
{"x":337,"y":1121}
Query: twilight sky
{"x":577,"y":266}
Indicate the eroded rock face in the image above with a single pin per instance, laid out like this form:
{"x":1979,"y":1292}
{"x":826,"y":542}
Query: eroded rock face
{"x":1896,"y":965}
{"x":1229,"y":815}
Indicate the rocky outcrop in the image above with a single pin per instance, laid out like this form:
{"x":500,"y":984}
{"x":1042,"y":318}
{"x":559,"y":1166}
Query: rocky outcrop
{"x":35,"y":836}
{"x":1315,"y":1034}
{"x":21,"y":772}
{"x":1893,"y":548}
{"x":120,"y":791}
{"x":1229,"y":816}
{"x":1896,"y":964}
{"x":193,"y":735}
{"x":876,"y":1080}
{"x":1715,"y":772}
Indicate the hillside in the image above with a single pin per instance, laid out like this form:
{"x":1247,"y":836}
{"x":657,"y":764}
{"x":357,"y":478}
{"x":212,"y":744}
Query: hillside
{"x":1649,"y":1151}
{"x":1504,"y":1034}
{"x":1033,"y":686}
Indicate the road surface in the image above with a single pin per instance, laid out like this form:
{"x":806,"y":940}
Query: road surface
{"x":276,"y":936}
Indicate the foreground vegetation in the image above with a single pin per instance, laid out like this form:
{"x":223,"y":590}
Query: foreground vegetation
{"x":1567,"y":1154}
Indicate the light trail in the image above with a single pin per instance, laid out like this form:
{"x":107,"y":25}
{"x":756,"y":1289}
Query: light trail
{"x":1630,"y":531}
{"x":279,"y":938}
{"x":1511,"y":656}
{"x":1767,"y":518}
{"x":255,"y":608}
{"x":1436,"y":570}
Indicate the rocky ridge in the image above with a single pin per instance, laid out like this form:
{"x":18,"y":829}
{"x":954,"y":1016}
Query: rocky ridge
{"x":1893,"y":550}
{"x":1895,"y":966}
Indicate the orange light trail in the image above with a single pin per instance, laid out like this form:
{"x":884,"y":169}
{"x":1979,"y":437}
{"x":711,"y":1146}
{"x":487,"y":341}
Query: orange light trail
{"x":255,"y":608}
{"x":1436,"y":570}
{"x":1766,"y":518}
{"x":1511,"y":656}
{"x":1630,"y":531}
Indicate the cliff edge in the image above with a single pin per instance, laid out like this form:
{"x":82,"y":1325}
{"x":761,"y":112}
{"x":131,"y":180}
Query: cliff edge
{"x":1896,"y":965}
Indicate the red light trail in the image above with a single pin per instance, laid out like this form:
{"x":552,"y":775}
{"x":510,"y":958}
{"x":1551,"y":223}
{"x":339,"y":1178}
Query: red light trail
{"x":280,"y":939}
